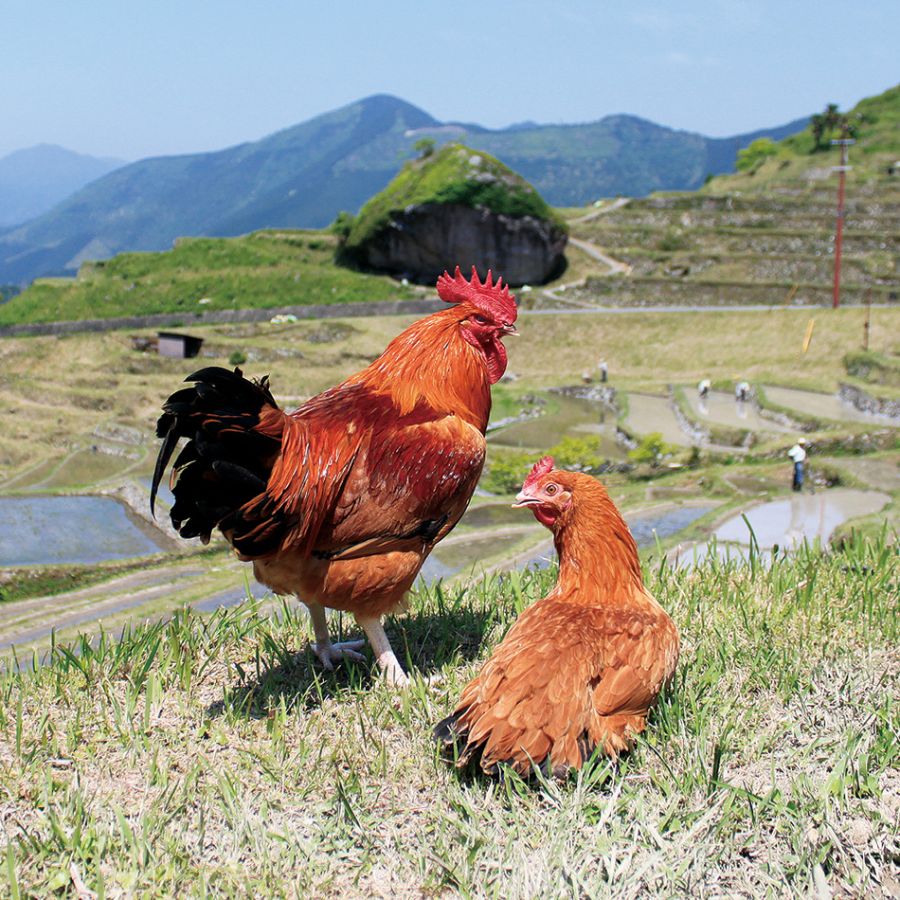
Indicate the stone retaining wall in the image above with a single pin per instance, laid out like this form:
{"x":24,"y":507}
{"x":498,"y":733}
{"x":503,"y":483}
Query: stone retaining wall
{"x":189,"y":319}
{"x":879,"y":406}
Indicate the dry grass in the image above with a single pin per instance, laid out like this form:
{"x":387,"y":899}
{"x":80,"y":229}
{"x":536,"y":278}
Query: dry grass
{"x":56,"y":392}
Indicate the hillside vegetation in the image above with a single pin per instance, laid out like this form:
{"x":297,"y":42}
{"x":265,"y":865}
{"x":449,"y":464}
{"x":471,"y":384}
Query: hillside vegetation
{"x":264,"y":269}
{"x":876,"y":124}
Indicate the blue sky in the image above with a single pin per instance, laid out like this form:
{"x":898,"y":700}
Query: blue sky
{"x":161,"y":77}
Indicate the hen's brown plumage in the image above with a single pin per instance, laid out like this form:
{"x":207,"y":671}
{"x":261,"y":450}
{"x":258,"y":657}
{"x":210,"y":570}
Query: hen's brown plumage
{"x":341,"y":501}
{"x":580,"y":668}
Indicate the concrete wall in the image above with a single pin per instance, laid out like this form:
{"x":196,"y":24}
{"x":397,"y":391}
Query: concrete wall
{"x":184,"y":320}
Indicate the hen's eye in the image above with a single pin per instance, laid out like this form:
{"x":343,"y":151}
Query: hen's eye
{"x":481,"y":320}
{"x":551,"y":488}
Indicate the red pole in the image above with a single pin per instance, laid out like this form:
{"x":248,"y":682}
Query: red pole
{"x":839,"y":233}
{"x":839,"y":229}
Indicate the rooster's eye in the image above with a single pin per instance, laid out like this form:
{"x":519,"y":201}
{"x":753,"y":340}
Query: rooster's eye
{"x":481,"y":320}
{"x":551,"y":488}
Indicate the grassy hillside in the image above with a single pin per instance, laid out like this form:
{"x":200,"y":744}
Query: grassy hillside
{"x":455,"y":174}
{"x":796,"y":158}
{"x":264,"y":269}
{"x":210,"y":756}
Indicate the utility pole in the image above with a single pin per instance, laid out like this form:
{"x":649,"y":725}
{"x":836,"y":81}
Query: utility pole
{"x":844,"y":143}
{"x":868,"y":323}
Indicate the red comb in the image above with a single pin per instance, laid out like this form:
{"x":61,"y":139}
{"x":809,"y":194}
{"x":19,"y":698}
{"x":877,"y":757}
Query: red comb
{"x":494,"y":299}
{"x":541,"y":467}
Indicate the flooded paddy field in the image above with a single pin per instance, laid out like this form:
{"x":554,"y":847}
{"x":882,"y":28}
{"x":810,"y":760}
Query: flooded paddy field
{"x":571,"y":416}
{"x":786,"y":523}
{"x":823,"y":406}
{"x":722,"y":408}
{"x":648,"y":413}
{"x":70,"y":529}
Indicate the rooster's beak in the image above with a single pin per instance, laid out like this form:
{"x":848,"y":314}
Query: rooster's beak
{"x":523,"y":499}
{"x":509,"y":329}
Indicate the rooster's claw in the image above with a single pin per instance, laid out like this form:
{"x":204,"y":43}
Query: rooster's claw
{"x":328,"y":654}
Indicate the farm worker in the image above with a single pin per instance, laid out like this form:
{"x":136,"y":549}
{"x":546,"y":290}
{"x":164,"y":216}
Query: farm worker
{"x":742,"y":391}
{"x":703,"y":387}
{"x":604,"y":370}
{"x":797,"y":453}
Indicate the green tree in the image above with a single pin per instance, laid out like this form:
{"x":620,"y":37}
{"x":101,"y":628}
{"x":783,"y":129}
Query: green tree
{"x":424,"y":147}
{"x":751,"y":157}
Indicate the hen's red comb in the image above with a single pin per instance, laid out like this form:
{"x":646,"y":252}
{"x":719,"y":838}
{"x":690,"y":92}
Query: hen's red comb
{"x":541,"y":467}
{"x":494,"y":299}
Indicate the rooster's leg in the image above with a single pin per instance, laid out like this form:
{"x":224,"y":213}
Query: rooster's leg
{"x":381,"y":647}
{"x":327,"y":652}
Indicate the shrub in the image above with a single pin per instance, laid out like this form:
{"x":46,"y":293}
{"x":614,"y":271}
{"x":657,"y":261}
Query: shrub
{"x":750,"y":158}
{"x":652,"y":449}
{"x":237,"y":358}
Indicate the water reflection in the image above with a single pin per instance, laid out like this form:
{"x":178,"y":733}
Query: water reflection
{"x":82,"y":529}
{"x":573,"y":416}
{"x":787,"y":523}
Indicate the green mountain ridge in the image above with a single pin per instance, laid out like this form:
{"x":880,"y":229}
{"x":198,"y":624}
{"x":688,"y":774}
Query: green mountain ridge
{"x":304,"y":175}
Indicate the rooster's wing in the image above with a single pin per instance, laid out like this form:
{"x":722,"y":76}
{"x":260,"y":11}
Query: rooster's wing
{"x":355,"y":477}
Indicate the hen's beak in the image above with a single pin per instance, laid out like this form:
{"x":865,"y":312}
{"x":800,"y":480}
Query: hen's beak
{"x":523,"y":499}
{"x":509,"y":329}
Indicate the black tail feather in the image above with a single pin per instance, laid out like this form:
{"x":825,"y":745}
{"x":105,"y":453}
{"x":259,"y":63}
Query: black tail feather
{"x":225,"y":462}
{"x":170,"y":439}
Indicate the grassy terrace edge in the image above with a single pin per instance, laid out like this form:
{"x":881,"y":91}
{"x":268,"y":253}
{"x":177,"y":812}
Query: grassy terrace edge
{"x":262,"y":270}
{"x":208,"y":755}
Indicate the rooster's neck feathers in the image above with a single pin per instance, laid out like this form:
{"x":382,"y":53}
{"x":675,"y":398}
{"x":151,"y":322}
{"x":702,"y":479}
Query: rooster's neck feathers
{"x":431,"y":362}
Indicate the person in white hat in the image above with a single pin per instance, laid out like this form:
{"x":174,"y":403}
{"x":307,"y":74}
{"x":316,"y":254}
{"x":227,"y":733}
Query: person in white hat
{"x":797,"y":453}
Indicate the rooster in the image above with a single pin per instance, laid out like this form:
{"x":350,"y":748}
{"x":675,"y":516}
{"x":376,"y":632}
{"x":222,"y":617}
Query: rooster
{"x":581,"y":668}
{"x":341,"y":501}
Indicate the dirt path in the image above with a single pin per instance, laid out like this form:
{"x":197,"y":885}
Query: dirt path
{"x":618,"y":203}
{"x":612,"y":267}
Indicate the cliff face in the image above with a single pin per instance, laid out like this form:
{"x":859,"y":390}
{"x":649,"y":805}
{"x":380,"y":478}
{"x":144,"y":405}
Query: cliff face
{"x":422,"y":241}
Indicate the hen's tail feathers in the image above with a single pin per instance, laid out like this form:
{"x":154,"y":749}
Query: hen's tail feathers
{"x":226,"y":461}
{"x":452,"y":736}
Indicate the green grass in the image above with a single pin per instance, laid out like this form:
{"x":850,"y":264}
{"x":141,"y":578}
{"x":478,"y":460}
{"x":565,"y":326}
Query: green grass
{"x":209,"y":756}
{"x":264,"y":269}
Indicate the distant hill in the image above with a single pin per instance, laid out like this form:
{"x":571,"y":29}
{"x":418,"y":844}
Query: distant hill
{"x":303,"y":176}
{"x":34,"y":180}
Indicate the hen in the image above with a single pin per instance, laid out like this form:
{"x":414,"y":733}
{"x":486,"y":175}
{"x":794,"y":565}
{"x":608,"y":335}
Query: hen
{"x":341,"y":501}
{"x":581,"y":668}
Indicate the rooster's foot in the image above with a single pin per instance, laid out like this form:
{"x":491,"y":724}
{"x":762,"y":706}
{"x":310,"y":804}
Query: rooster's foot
{"x":328,"y":653}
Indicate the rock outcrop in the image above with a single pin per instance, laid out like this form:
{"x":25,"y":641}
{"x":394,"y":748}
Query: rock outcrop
{"x":422,"y":241}
{"x":462,"y":208}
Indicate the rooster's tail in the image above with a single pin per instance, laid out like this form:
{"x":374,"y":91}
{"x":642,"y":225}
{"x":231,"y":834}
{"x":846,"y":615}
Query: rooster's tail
{"x":226,"y":460}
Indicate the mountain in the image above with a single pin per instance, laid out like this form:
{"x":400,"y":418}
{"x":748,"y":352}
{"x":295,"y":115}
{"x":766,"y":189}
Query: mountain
{"x":303,"y":176}
{"x":34,"y":180}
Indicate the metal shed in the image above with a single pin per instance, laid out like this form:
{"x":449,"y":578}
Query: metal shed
{"x":180,"y":346}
